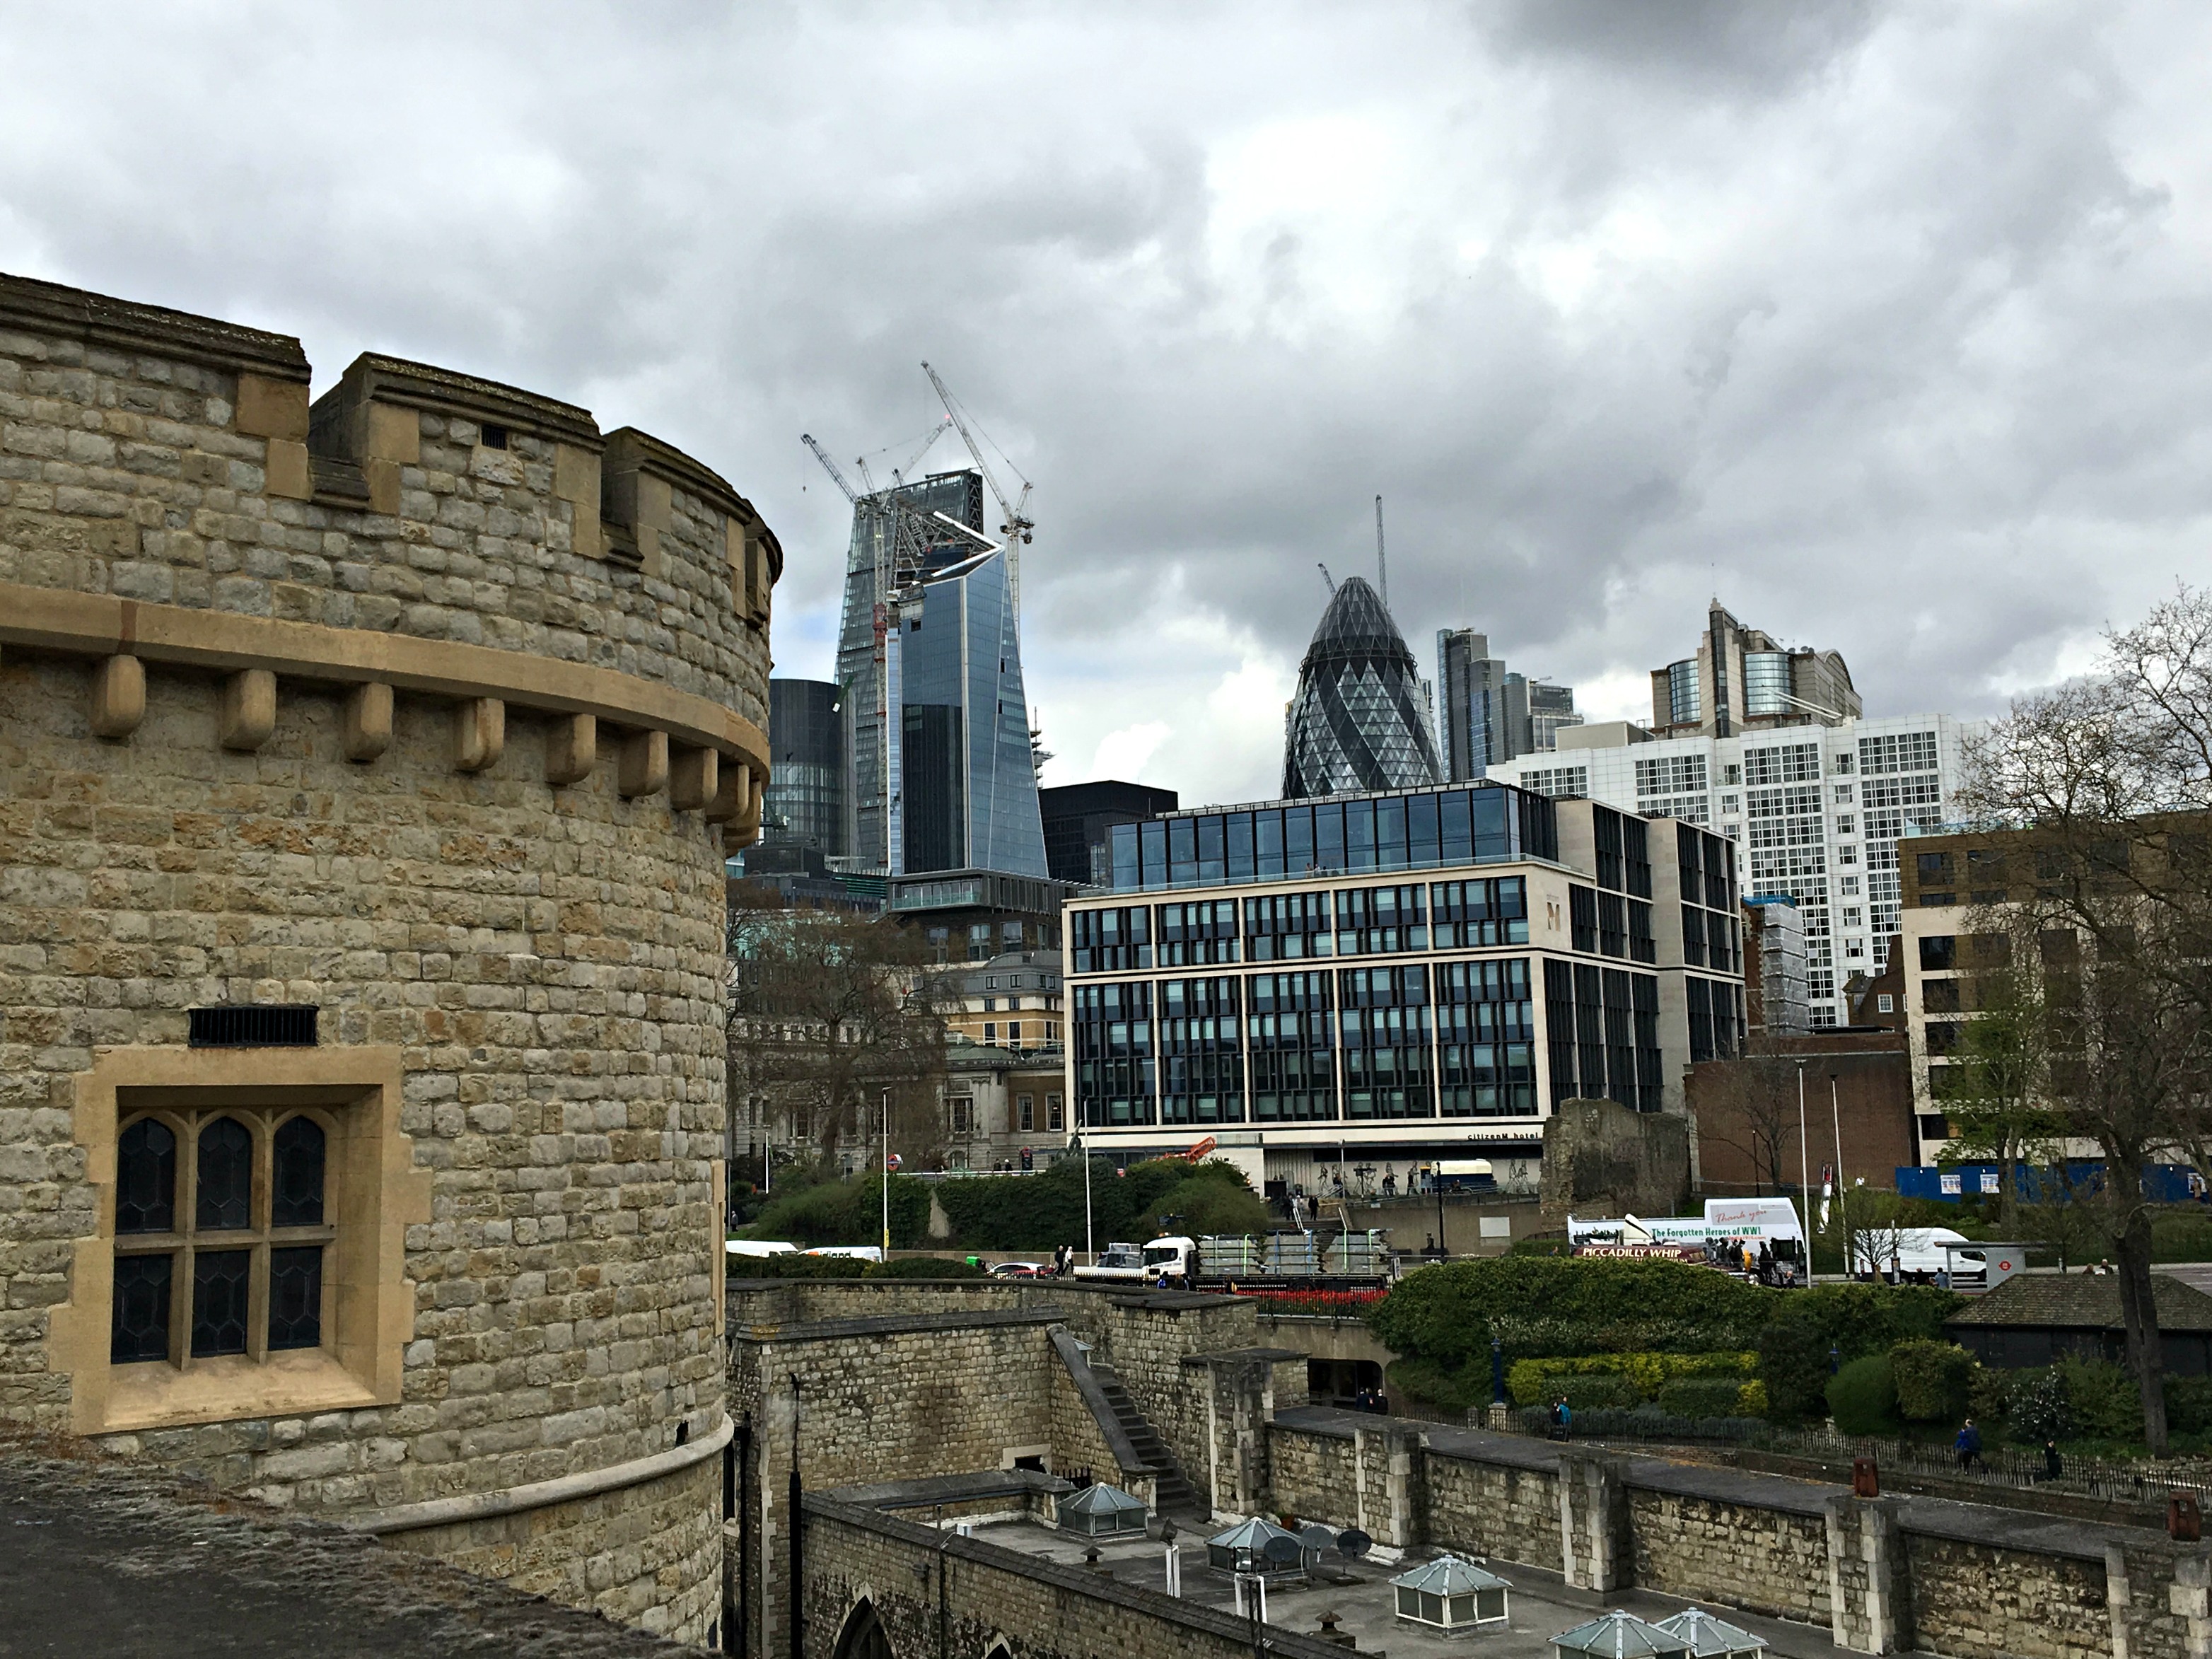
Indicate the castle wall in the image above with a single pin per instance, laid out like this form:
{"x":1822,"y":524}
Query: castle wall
{"x":436,"y":711}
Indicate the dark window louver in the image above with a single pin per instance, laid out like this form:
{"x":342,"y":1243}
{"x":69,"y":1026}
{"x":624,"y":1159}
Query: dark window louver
{"x":286,"y":1026}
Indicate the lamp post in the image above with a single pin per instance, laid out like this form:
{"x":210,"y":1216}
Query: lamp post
{"x":887,"y":1175}
{"x":1804,"y":1176}
{"x":1843,"y":1211}
{"x":1090,"y":1249}
{"x":1437,"y":1177}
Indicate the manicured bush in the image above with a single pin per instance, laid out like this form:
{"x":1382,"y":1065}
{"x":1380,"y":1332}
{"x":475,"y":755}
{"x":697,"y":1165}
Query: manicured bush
{"x":1538,"y":1337}
{"x":1793,"y":1363}
{"x":1201,"y":1204}
{"x":845,"y":1212}
{"x":1590,"y":1393}
{"x":1934,"y":1381}
{"x":1039,"y":1211}
{"x":1702,"y":1396}
{"x":1444,"y":1312}
{"x":1862,"y":1396}
{"x":1531,"y":1381}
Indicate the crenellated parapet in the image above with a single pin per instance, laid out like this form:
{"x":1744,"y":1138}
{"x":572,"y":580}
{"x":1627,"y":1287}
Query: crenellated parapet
{"x":173,"y":497}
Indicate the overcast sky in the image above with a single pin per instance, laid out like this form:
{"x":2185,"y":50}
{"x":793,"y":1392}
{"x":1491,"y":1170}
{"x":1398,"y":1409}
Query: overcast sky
{"x":1888,"y":324}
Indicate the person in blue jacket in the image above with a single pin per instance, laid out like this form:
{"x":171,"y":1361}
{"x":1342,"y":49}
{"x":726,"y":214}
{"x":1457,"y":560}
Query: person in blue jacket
{"x":1969,"y":1445}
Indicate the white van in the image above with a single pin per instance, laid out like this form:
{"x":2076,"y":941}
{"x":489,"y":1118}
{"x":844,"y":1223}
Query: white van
{"x":1897,"y":1253}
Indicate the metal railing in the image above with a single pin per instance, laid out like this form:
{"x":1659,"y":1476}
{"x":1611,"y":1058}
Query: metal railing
{"x":2009,"y":1468}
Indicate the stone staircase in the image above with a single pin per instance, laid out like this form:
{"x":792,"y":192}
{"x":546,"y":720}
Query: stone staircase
{"x":1175,"y":1495}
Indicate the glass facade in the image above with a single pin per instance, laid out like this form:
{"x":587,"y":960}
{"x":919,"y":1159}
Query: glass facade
{"x":1359,"y":719}
{"x":966,"y":795}
{"x":805,"y":802}
{"x":1684,"y":704}
{"x":1766,"y":682}
{"x":887,"y":542}
{"x":1427,"y":829}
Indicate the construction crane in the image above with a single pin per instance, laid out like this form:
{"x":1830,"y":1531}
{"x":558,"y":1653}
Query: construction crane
{"x":828,"y":465}
{"x":1327,"y":581}
{"x":1017,"y":527}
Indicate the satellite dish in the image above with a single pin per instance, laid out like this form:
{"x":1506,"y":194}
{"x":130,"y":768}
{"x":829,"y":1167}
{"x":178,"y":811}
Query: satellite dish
{"x":1283,"y":1551}
{"x":1354,"y":1544}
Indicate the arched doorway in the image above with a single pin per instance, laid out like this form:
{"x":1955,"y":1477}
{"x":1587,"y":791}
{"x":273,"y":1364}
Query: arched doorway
{"x":863,"y":1636}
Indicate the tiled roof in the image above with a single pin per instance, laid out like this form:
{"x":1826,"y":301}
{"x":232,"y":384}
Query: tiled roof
{"x":2078,"y":1301}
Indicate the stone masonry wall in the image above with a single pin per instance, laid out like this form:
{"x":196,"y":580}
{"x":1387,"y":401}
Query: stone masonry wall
{"x":1971,"y":1600}
{"x":1045,"y":1609}
{"x":1769,"y":1561}
{"x":546,"y":961}
{"x":648,"y":1555}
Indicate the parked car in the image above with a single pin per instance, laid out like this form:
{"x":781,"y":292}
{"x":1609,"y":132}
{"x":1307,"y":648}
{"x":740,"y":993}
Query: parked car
{"x":1018,"y":1270}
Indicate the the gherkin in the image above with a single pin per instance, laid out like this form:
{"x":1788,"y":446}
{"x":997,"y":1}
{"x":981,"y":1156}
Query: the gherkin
{"x":1358,"y":721}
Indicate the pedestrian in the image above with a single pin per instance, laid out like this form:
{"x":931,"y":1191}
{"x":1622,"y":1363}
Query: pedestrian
{"x":1969,"y":1445}
{"x":2054,"y":1466}
{"x":1563,"y":1418}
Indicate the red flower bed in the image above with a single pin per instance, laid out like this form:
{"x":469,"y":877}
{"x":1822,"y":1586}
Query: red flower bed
{"x":1343,"y":1304}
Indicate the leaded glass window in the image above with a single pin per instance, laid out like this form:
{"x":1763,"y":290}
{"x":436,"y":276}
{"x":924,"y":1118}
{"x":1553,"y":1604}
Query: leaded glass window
{"x":220,"y":1233}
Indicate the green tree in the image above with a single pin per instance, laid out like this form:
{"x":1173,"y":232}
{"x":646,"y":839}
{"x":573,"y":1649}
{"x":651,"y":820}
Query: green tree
{"x":1996,"y":1087}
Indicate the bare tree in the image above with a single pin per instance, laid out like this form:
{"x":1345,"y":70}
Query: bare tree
{"x":1996,"y":1086}
{"x":1749,"y":1104}
{"x":2108,"y":782}
{"x":828,"y":1012}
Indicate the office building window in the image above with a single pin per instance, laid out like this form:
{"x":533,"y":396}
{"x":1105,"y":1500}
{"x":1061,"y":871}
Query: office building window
{"x":1375,"y":921}
{"x":1581,"y":917}
{"x":1201,"y":1066}
{"x":1468,"y":913}
{"x":990,"y":1031}
{"x":1025,"y":1112}
{"x":1485,"y":1031}
{"x":1289,"y":927}
{"x":1014,"y":1034}
{"x":1196,"y":934}
{"x":1385,"y":1015}
{"x":1112,"y":941}
{"x":1055,"y":1114}
{"x":1611,"y":924}
{"x":1111,"y":1034}
{"x":1293,"y":1035}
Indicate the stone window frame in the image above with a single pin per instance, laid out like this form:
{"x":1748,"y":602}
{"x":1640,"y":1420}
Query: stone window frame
{"x":372,"y":1192}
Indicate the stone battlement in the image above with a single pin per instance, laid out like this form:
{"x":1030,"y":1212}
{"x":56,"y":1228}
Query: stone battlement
{"x":367,"y":771}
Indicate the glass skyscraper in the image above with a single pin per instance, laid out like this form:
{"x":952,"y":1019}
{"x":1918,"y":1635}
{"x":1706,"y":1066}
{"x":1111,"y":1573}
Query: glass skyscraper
{"x":965,"y":793}
{"x":1357,"y":721}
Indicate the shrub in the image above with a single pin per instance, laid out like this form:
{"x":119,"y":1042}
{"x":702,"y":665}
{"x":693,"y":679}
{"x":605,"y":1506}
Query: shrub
{"x":1793,"y":1363}
{"x":1425,"y":1380}
{"x":1989,"y":1394}
{"x":926,"y":1267}
{"x":1862,"y":1396}
{"x":1934,"y":1380}
{"x":1702,"y":1396}
{"x":2189,"y":1404}
{"x":798,"y":1265}
{"x":1532,"y":1382}
{"x":2103,"y":1398}
{"x":2039,"y":1407}
{"x":846,"y":1213}
{"x":1751,"y":1399}
{"x":1201,"y":1204}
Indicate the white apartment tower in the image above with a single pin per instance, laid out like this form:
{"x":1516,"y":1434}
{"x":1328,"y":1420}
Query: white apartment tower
{"x":1816,"y":807}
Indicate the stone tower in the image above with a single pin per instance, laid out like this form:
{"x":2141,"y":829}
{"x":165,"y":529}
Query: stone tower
{"x":367,"y":772}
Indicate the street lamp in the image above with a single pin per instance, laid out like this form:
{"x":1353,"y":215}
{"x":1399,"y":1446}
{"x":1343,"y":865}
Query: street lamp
{"x":887,"y":1175}
{"x":1843,"y":1211}
{"x":1804,"y":1176}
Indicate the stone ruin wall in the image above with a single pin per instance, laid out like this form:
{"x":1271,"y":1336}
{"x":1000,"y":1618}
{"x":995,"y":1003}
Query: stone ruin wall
{"x":361,"y":710}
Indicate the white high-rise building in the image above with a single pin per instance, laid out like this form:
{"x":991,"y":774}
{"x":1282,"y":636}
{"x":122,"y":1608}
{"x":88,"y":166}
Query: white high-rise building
{"x":1815,"y":812}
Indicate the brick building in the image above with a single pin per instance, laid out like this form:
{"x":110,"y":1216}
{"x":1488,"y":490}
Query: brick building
{"x":366,"y":773}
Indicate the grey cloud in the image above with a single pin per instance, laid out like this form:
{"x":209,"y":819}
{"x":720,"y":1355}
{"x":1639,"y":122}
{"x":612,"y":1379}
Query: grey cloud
{"x":1889,"y":322}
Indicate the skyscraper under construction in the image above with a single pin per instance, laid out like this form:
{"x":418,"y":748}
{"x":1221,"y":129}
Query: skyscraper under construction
{"x":930,"y":674}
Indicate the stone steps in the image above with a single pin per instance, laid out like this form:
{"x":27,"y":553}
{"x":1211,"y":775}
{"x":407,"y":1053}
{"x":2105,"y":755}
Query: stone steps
{"x":1174,"y":1493}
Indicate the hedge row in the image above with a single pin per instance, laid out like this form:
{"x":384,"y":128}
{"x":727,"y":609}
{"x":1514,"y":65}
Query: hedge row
{"x":1532,"y":1382}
